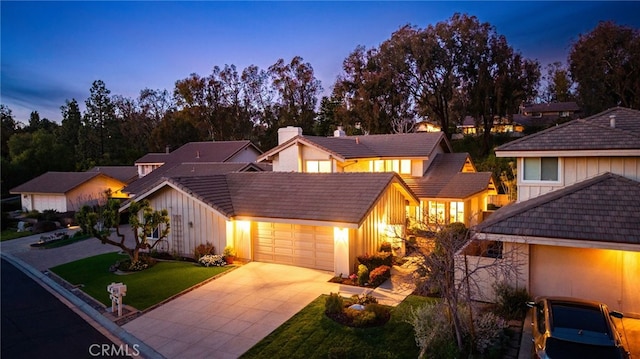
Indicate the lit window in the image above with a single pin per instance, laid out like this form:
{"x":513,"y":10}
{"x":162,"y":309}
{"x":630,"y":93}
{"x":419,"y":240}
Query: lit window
{"x":405,"y":167}
{"x":319,"y":166}
{"x":456,"y":212}
{"x":436,"y":212}
{"x":378,"y":166}
{"x":541,"y":169}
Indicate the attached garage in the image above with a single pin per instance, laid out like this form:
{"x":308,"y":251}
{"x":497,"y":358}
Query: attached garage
{"x":304,"y":246}
{"x":609,"y":276}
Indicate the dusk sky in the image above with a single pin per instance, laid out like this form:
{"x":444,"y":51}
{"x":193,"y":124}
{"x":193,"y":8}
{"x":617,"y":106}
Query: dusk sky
{"x":53,"y":51}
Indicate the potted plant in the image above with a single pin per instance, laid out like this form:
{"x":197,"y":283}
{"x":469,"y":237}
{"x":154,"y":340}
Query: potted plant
{"x":229,"y":254}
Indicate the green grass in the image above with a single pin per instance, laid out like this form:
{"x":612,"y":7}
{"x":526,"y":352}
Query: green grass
{"x":144,"y":288}
{"x":9,"y":234}
{"x":311,"y":334}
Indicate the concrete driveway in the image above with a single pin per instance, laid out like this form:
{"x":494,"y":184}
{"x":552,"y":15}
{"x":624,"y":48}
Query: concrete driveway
{"x":227,"y":316}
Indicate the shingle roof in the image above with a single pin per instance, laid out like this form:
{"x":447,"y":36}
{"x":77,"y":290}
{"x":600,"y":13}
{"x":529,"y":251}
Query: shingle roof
{"x":443,"y":179}
{"x":55,"y":182}
{"x":591,"y":133}
{"x":209,"y":151}
{"x":605,"y":208}
{"x":420,"y":144}
{"x":125,"y":174}
{"x":187,"y":170}
{"x":331,"y":197}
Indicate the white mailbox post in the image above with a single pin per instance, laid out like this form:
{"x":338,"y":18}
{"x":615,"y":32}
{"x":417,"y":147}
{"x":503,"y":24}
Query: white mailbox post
{"x":116,"y":292}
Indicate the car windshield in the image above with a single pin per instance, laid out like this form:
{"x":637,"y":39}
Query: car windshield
{"x":556,"y":348}
{"x":574,"y":316}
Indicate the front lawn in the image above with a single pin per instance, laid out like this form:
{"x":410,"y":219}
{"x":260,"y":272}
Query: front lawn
{"x":144,"y":289}
{"x":13,"y":233}
{"x":311,"y":334}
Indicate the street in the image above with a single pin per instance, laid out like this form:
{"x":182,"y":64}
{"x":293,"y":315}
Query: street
{"x":35,"y":324}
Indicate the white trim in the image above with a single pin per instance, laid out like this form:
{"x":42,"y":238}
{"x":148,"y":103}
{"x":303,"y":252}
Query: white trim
{"x":558,"y":242}
{"x":303,"y":222}
{"x":559,"y":182}
{"x":571,"y":153}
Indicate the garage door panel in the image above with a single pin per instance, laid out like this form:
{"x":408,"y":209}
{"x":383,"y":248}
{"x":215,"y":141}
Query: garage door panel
{"x":596,"y":274}
{"x":305,"y":246}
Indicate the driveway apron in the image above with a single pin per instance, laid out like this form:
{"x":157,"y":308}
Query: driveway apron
{"x":227,"y":316}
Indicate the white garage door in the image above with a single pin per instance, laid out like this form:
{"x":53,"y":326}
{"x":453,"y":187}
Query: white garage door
{"x":608,"y":276}
{"x":304,"y":246}
{"x":44,"y":202}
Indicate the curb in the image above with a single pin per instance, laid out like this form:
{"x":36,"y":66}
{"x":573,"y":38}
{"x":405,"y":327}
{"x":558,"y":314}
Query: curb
{"x":145,"y":350}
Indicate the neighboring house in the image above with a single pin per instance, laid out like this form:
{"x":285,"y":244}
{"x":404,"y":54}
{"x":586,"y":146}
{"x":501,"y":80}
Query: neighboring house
{"x":426,"y":126}
{"x":320,"y":221}
{"x":69,"y":191}
{"x":212,"y":151}
{"x":210,"y":157}
{"x":443,"y":181}
{"x":501,"y":125}
{"x":575,"y":230}
{"x":535,"y":117}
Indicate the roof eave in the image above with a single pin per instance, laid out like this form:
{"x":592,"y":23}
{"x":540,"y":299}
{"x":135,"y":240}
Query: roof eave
{"x":559,"y":242}
{"x":570,"y":153}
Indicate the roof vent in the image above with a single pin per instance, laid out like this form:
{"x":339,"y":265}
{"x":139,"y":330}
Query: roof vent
{"x":197,"y":154}
{"x":612,"y":121}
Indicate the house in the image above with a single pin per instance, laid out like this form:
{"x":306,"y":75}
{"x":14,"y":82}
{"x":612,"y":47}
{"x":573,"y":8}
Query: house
{"x":447,"y":184}
{"x":319,"y":220}
{"x":207,"y":157}
{"x":503,"y":125}
{"x":575,"y":230}
{"x":535,"y":117}
{"x":428,"y":126}
{"x":69,"y":191}
{"x":211,"y":151}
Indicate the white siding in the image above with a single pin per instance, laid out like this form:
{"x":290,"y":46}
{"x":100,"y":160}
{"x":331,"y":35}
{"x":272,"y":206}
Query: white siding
{"x":577,"y":169}
{"x":287,"y":160}
{"x":199,"y":223}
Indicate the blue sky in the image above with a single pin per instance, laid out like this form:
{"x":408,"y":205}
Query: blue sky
{"x":53,"y":51}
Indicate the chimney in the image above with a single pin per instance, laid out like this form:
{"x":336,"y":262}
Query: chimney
{"x":287,"y":133}
{"x":612,"y":121}
{"x":339,"y":132}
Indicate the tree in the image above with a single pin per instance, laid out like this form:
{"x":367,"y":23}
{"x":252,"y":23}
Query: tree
{"x":144,"y":222}
{"x":558,"y":86}
{"x":100,"y":131}
{"x":298,"y":88}
{"x":605,"y":65}
{"x":9,"y":127}
{"x":69,"y":131}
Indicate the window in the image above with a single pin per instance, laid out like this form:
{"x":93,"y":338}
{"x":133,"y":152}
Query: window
{"x":541,"y":169}
{"x":319,"y":166}
{"x":456,"y":212}
{"x":397,"y":166}
{"x":155,"y":235}
{"x":487,"y":249}
{"x":436,"y":212}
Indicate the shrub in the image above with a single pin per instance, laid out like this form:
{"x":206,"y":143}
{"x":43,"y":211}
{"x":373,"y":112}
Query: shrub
{"x":203,"y":249}
{"x":430,"y":325}
{"x":212,"y":260}
{"x":364,"y":299}
{"x":376,"y":260}
{"x":489,"y":331}
{"x":381,"y":312}
{"x":363,"y":274}
{"x":379,"y":275}
{"x":34,"y":214}
{"x":364,"y":318}
{"x":50,"y":215}
{"x":334,"y":304}
{"x":142,"y":263}
{"x":385,"y":247}
{"x":511,"y":302}
{"x":44,"y":226}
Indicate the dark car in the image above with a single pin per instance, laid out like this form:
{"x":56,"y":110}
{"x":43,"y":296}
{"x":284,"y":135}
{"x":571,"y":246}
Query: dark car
{"x":575,"y":328}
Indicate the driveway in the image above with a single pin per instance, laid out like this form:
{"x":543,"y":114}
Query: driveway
{"x":227,"y":316}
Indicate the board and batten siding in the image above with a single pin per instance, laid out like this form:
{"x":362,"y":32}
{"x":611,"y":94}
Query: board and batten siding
{"x":199,"y":223}
{"x":389,"y":210}
{"x":578,"y":169}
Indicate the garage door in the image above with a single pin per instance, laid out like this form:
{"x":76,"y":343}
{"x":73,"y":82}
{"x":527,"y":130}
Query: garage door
{"x":608,"y":276}
{"x":304,"y":246}
{"x":44,"y":202}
